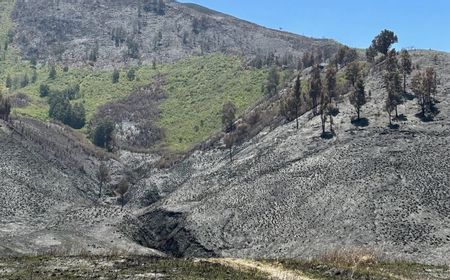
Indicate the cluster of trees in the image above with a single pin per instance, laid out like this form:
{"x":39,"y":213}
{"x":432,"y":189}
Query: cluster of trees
{"x":397,"y":67}
{"x":319,"y":95}
{"x":269,"y":59}
{"x":21,"y":80}
{"x":60,"y":109}
{"x":118,"y":35}
{"x":5,"y":108}
{"x":345,"y":56}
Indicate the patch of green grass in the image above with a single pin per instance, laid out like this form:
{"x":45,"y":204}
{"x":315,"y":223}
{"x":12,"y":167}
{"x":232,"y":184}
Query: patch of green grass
{"x":196,"y":91}
{"x":196,"y":88}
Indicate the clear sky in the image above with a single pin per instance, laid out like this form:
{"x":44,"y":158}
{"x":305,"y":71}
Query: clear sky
{"x":423,"y":24}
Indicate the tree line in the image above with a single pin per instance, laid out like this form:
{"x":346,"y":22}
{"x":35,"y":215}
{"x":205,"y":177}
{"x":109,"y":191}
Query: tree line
{"x":318,"y":91}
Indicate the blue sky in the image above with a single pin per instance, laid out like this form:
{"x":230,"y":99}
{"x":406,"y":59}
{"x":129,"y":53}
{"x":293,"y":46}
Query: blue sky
{"x":421,"y":24}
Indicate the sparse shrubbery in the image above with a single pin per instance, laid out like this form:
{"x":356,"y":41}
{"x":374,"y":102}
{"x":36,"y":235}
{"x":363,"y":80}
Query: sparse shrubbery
{"x":52,"y":72}
{"x":131,"y":74}
{"x":115,"y":76}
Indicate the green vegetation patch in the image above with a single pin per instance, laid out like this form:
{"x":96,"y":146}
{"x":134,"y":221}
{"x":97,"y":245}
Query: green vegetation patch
{"x":196,"y":88}
{"x":196,"y":91}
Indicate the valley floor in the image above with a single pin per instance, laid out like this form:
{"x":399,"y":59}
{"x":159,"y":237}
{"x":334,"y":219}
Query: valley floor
{"x":117,"y":267}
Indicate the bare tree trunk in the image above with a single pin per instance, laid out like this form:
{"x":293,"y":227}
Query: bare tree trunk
{"x":331,"y":123}
{"x":396,"y":111}
{"x":231,"y":154}
{"x":100,"y":190}
{"x":323,"y":119}
{"x":404,"y":83}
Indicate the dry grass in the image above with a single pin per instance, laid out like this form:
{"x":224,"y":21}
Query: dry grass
{"x":351,"y":257}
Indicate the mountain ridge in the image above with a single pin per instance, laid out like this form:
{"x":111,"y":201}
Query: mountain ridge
{"x":180,"y":31}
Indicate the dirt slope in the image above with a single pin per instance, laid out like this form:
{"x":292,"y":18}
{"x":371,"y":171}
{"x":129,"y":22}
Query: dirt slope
{"x":49,"y":194}
{"x":290,"y":193}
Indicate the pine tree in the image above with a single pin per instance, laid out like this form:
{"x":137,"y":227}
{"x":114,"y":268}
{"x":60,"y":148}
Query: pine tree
{"x":102,"y":136}
{"x":358,"y":97}
{"x":297,"y":97}
{"x":330,"y":87}
{"x":228,"y":140}
{"x":228,"y":116}
{"x":273,"y":80}
{"x":392,"y":82}
{"x":418,"y":90}
{"x":131,"y":74}
{"x":384,"y":41}
{"x":323,"y":106}
{"x":405,"y":66}
{"x":115,"y":76}
{"x":8,"y":82}
{"x":121,"y":190}
{"x":52,"y":72}
{"x":44,"y":90}
{"x":315,"y":87}
{"x":352,"y":73}
{"x":5,"y":108}
{"x":103,"y":177}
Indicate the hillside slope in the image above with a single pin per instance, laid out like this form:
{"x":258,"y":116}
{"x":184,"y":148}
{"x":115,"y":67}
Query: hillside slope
{"x":127,"y":31}
{"x":290,"y":193}
{"x":49,"y":194}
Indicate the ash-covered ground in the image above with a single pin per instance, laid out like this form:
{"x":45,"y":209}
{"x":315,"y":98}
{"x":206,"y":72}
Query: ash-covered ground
{"x":288,"y":192}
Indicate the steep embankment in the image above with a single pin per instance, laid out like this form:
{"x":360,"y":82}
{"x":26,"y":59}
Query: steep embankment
{"x":290,"y":193}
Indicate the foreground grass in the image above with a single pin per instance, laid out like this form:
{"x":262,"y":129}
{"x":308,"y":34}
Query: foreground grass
{"x":58,"y":268}
{"x":399,"y":270}
{"x":138,"y":267}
